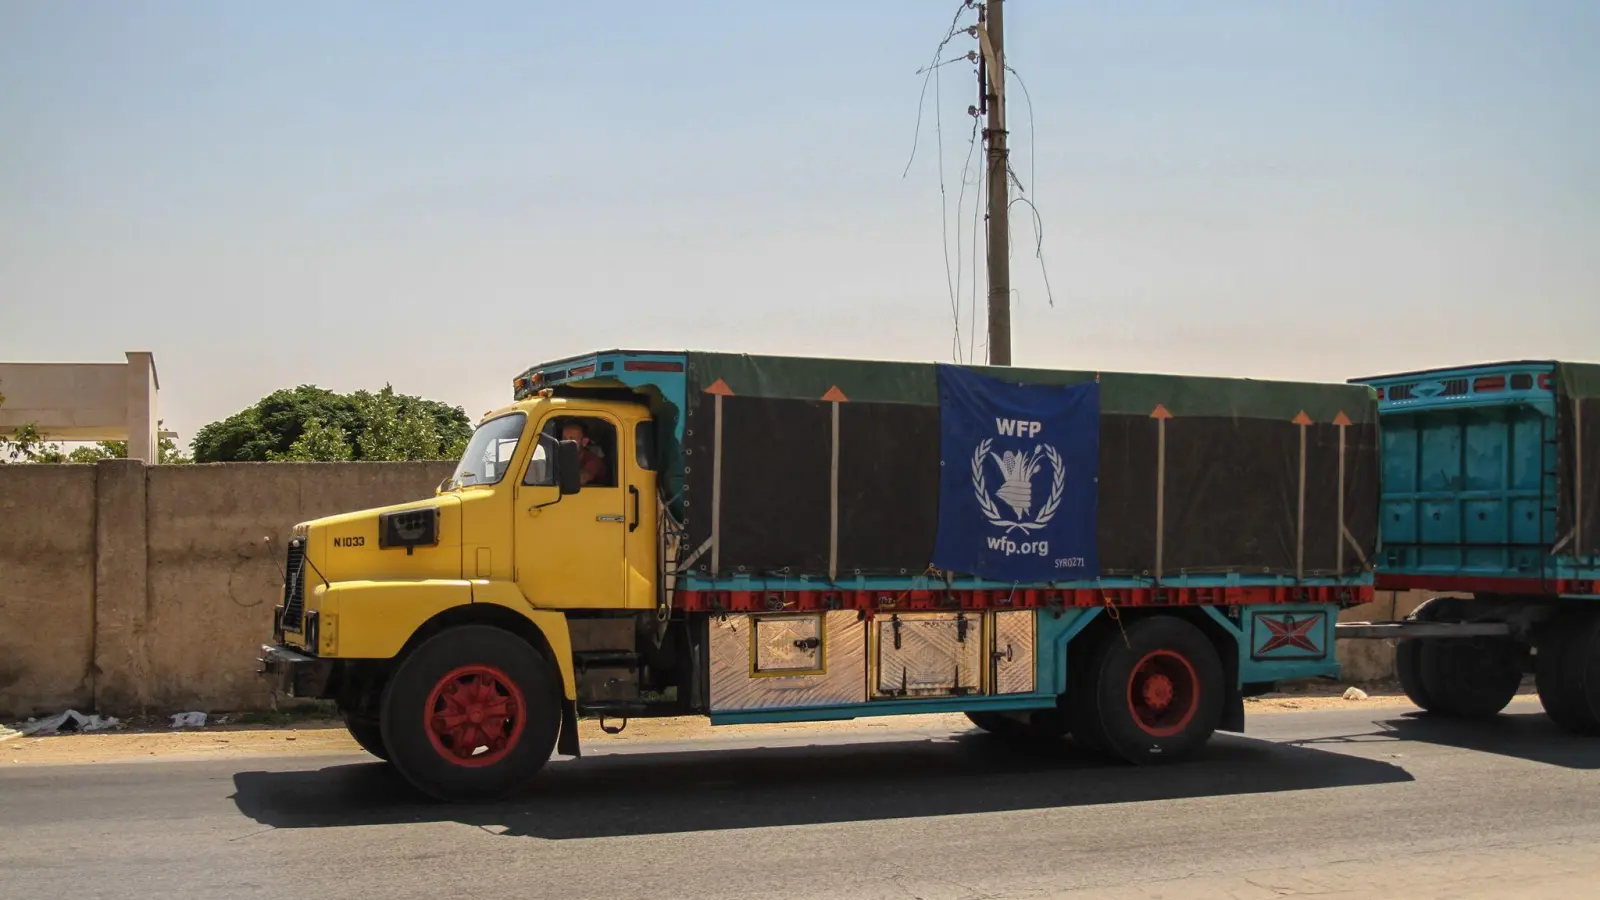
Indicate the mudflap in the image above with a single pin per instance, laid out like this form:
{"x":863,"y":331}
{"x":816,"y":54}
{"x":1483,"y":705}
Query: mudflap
{"x":1233,"y":712}
{"x":567,"y":742}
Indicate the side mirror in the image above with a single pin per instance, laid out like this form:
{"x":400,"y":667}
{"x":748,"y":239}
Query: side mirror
{"x":569,"y":467}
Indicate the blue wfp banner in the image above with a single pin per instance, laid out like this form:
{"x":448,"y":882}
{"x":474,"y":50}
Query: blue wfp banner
{"x":1018,"y":470}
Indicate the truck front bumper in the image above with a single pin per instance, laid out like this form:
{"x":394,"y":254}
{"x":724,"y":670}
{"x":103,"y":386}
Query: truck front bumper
{"x":294,"y":673}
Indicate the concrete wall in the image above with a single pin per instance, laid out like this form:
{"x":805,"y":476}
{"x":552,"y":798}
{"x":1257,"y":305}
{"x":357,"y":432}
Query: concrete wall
{"x":47,"y":586}
{"x":125,"y":587}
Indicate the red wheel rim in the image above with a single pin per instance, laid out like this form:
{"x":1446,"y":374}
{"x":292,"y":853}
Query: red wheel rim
{"x":475,"y":716}
{"x":1163,"y":693}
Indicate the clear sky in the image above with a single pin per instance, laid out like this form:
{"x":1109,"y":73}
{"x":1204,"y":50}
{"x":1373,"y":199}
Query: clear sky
{"x":440,"y":195}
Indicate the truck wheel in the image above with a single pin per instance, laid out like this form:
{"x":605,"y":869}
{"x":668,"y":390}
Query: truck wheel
{"x":1154,"y":692}
{"x":1028,"y":725}
{"x":367,"y":733}
{"x":471,"y":714}
{"x":1569,"y":685}
{"x":1079,"y":700}
{"x":1471,"y":678}
{"x":1408,"y":657}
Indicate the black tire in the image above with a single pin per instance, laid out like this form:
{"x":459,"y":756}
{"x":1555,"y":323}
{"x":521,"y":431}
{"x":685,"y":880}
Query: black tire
{"x":998,"y":724}
{"x":1025,"y":725}
{"x":471,"y":667}
{"x":1471,"y":678}
{"x":1408,"y":657}
{"x":1154,"y":693}
{"x":367,"y":733}
{"x":1079,"y":700}
{"x":1568,"y":682}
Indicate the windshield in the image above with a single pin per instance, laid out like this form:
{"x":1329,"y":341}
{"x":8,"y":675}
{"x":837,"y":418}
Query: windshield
{"x":489,"y":452}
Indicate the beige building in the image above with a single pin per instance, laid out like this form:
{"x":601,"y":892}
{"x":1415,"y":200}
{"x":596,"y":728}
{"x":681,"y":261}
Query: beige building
{"x":85,"y":401}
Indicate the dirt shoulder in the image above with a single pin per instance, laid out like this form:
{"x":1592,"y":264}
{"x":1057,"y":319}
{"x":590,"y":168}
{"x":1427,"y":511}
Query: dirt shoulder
{"x":309,"y":736}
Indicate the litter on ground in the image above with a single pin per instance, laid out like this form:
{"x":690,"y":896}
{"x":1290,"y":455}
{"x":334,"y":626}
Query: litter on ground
{"x":60,"y":723}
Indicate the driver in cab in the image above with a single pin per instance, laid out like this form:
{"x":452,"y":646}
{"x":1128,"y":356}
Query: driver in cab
{"x":593,"y":464}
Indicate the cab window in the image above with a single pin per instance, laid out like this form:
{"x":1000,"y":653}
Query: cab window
{"x":490,"y":450}
{"x":597,"y":450}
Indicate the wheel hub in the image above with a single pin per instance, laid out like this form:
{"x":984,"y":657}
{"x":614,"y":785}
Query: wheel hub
{"x":1158,"y":691}
{"x":1163,"y":693}
{"x":475,"y":715}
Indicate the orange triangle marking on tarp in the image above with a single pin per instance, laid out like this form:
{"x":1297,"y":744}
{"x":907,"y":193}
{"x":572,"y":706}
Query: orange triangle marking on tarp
{"x":834,"y":395}
{"x":1341,"y":419}
{"x":720,"y":388}
{"x":1160,"y":412}
{"x":1302,"y":419}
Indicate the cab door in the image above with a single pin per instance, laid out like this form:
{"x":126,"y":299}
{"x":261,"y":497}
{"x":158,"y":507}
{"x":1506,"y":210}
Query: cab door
{"x":570,"y":550}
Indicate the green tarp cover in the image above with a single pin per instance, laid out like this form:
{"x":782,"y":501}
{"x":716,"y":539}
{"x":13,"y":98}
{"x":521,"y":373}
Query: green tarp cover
{"x":1250,"y":470}
{"x":803,"y":378}
{"x":1580,"y":380}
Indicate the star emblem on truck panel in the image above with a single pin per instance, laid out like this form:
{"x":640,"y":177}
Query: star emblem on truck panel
{"x":1286,"y":632}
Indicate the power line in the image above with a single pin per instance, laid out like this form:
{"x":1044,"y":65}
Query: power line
{"x":1033,"y":163}
{"x":944,"y":224}
{"x":927,"y":72}
{"x":1038,"y":247}
{"x":966,"y":169}
{"x":977,"y":209}
{"x":931,"y":72}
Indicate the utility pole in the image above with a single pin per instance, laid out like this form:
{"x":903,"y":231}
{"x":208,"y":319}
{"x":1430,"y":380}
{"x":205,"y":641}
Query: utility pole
{"x":992,"y":88}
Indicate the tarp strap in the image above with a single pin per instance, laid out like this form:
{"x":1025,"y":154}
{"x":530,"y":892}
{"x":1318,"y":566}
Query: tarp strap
{"x":1577,"y":477}
{"x":695,"y":556}
{"x":716,"y":485}
{"x":833,"y":501}
{"x":1300,"y":531}
{"x":1562,"y":543}
{"x":1339,"y":539}
{"x":1354,"y":545}
{"x":1161,"y":492}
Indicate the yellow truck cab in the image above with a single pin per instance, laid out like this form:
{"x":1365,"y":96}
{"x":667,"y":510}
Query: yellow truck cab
{"x":769,"y":539}
{"x":434,"y":604}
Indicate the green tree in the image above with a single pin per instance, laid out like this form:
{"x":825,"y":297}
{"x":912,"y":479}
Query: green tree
{"x":318,"y":442}
{"x":401,"y":426}
{"x":394,"y":429}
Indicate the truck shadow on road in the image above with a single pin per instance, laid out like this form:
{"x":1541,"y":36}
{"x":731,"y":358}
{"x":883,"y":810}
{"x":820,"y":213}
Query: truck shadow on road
{"x":633,"y":793}
{"x":1529,"y":736}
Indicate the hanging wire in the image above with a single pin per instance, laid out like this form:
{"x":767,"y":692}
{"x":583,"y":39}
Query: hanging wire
{"x":966,"y":179}
{"x":977,"y":208}
{"x":1038,"y":220}
{"x":1038,"y":245}
{"x":931,"y":72}
{"x":950,"y":282}
{"x":1032,"y":157}
{"x":927,"y":73}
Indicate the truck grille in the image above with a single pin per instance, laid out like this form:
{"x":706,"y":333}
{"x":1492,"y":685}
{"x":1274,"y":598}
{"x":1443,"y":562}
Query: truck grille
{"x":294,"y":585}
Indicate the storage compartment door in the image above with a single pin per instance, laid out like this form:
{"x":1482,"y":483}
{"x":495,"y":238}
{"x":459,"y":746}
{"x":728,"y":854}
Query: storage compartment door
{"x":1013,"y":671}
{"x":929,"y":655}
{"x":787,"y":645}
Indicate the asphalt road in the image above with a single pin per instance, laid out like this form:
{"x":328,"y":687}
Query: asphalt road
{"x":1364,"y":803}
